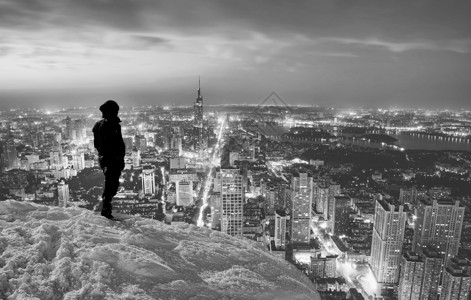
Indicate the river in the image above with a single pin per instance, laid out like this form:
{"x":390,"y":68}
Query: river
{"x":409,"y":142}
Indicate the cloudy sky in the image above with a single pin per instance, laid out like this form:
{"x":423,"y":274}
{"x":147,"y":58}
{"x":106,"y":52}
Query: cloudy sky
{"x":407,"y":53}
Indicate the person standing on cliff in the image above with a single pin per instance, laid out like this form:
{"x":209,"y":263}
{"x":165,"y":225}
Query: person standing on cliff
{"x":109,"y":143}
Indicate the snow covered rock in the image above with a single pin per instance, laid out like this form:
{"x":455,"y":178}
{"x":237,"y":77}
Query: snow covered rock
{"x":57,"y":253}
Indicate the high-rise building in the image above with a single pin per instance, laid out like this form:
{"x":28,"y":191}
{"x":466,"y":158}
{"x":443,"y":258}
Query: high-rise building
{"x":78,"y":161}
{"x":184,"y":193}
{"x":439,"y":224}
{"x":215,"y":203}
{"x":148,"y":180}
{"x":433,"y":265}
{"x":412,"y":273}
{"x":280,"y":230}
{"x":456,"y":282}
{"x":198,"y":120}
{"x":341,"y":214}
{"x":232,"y":200}
{"x":321,"y":196}
{"x":301,"y":210}
{"x":388,"y":238}
{"x":408,"y":196}
{"x":63,"y":194}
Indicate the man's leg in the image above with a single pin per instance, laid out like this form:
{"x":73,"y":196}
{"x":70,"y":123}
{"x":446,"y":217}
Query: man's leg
{"x":112,"y":175}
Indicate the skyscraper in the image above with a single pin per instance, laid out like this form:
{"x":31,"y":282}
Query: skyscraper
{"x":433,"y":263}
{"x":388,"y":238}
{"x":198,"y":120}
{"x":412,"y":273}
{"x":232,"y":200}
{"x":301,"y":212}
{"x":439,"y":224}
{"x":280,"y":230}
{"x":456,"y":280}
{"x":148,"y":180}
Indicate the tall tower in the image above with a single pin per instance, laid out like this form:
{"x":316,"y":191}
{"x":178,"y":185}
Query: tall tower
{"x":198,"y":120}
{"x":302,"y":209}
{"x":148,"y":180}
{"x":232,"y":200}
{"x":388,"y":238}
{"x":439,"y":224}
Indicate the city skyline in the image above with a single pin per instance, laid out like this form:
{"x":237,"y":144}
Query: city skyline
{"x":312,"y":53}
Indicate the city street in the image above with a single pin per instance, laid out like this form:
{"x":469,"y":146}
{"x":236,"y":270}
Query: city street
{"x":214,"y":161}
{"x":358,"y":276}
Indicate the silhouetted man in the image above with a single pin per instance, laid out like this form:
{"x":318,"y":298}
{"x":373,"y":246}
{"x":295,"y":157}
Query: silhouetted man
{"x":111,"y":150}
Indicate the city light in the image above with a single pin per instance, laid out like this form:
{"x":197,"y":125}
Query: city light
{"x":207,"y":184}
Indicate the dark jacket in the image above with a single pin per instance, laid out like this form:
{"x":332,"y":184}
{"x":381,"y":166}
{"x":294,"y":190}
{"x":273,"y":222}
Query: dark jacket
{"x":109,"y":141}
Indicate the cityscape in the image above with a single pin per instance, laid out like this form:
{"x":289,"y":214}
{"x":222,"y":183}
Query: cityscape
{"x":272,"y":150}
{"x":367,"y":203}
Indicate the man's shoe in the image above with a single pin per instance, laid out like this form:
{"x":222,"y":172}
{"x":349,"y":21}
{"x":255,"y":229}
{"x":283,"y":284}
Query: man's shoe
{"x":107,"y":214}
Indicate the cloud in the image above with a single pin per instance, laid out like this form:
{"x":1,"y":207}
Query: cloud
{"x":459,"y":46}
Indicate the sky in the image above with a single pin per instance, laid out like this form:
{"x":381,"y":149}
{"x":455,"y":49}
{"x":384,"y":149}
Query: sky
{"x":342,"y":53}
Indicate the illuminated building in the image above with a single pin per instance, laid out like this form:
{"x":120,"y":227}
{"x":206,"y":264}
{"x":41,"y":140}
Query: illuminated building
{"x":63,"y":194}
{"x":10,"y":156}
{"x":433,"y":264}
{"x":173,"y":141}
{"x":408,"y":195}
{"x":216,"y":206}
{"x":388,"y":238}
{"x":341,"y":214}
{"x":456,"y":282}
{"x":128,"y":144}
{"x":141,"y":143}
{"x":198,"y":120}
{"x":78,"y":161}
{"x":301,"y":211}
{"x":184,"y":193}
{"x":136,"y":158}
{"x":321,"y":198}
{"x":232,"y":200}
{"x":334,"y":191}
{"x":280,"y":230}
{"x":148,"y":180}
{"x":438,"y":224}
{"x":412,"y":273}
{"x":324,"y":267}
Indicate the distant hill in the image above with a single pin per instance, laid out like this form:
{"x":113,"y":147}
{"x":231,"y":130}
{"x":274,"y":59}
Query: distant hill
{"x":56,"y":253}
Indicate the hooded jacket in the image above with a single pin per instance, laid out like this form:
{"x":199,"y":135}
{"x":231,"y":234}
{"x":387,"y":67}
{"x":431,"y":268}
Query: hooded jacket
{"x":108,"y":139}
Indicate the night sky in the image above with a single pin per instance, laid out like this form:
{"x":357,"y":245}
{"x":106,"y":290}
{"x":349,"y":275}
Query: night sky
{"x":344,"y":53}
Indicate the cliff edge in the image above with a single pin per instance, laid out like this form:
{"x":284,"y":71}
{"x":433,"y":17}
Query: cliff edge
{"x":72,"y":253}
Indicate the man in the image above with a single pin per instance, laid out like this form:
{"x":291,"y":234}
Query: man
{"x":111,"y":150}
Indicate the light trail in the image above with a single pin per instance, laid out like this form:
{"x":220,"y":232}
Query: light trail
{"x":207,"y":185}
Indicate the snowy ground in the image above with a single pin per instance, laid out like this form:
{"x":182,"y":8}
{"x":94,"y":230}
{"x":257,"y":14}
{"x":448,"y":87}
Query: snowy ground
{"x":56,"y":253}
